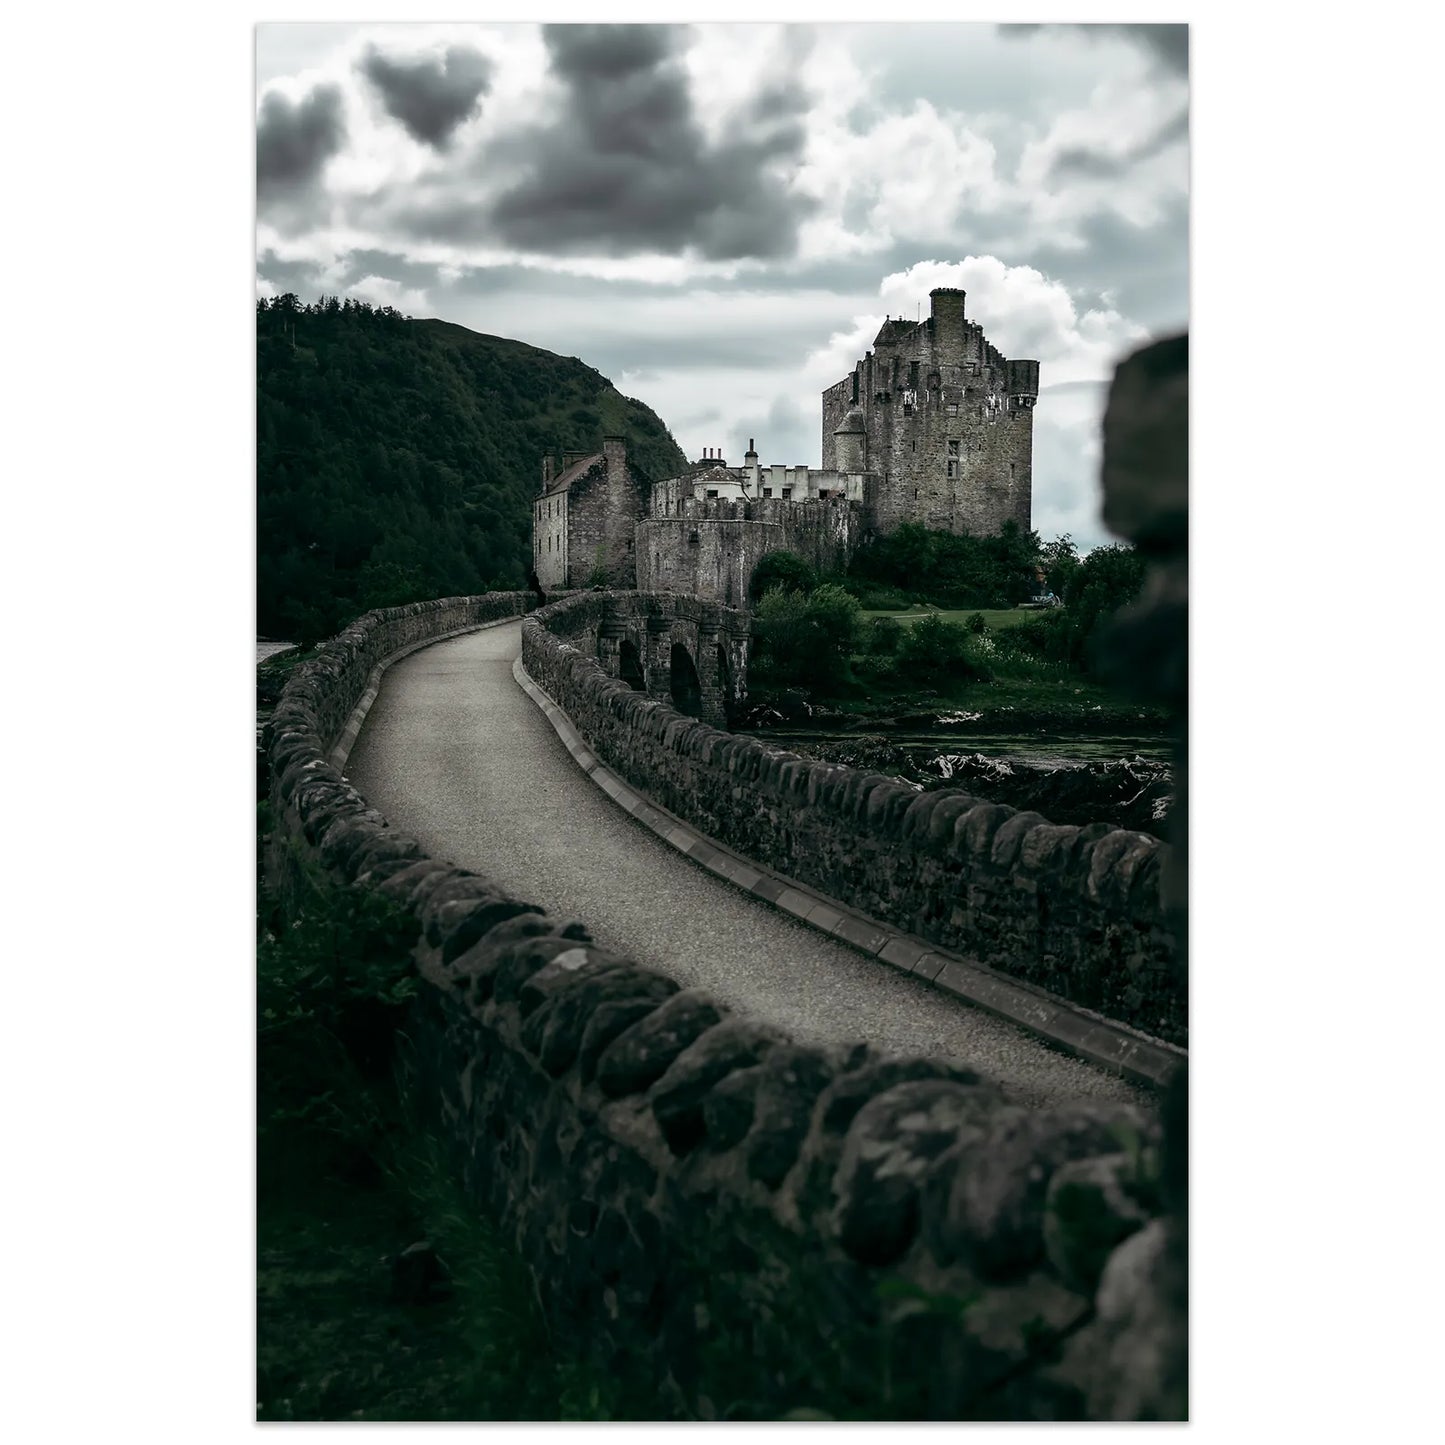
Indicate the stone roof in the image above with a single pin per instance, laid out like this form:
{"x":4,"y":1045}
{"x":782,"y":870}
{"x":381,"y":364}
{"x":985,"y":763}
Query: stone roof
{"x":715,"y":474}
{"x":894,"y":329}
{"x":568,"y":475}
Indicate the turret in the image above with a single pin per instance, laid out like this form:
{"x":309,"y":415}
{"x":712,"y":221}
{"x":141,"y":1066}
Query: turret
{"x":850,"y":442}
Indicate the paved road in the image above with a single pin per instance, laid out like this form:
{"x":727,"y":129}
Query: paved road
{"x":454,"y":753}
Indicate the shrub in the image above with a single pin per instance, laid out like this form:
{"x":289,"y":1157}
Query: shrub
{"x":882,"y":636}
{"x":785,"y":570}
{"x":807,"y":639}
{"x":837,"y":617}
{"x":934,"y":651}
{"x":876,"y":668}
{"x":874,"y":598}
{"x":975,"y":623}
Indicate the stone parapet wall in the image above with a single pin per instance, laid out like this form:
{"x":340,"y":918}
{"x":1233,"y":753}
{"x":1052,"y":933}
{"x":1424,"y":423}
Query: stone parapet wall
{"x":739,"y":1224}
{"x":1074,"y":910}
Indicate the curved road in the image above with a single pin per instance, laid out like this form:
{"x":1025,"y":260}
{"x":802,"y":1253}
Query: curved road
{"x":456,"y":754}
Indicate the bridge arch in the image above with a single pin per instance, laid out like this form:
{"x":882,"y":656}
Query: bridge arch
{"x":684,"y":685}
{"x":629,"y":665}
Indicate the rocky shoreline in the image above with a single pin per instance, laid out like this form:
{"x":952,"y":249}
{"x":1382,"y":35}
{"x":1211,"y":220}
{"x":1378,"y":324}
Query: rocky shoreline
{"x":1127,"y":792}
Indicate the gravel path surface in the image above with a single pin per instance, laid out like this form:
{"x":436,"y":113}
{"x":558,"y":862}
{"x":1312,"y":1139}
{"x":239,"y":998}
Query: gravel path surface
{"x":454,"y":753}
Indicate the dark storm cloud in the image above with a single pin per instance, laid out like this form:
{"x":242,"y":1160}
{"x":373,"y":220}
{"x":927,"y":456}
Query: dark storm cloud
{"x":1083,"y":163}
{"x":1167,"y":44}
{"x":295,"y":140}
{"x":1144,"y":268}
{"x":626,"y":165}
{"x":431,"y":95}
{"x":309,"y":282}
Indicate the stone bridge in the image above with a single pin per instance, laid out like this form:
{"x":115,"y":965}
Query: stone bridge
{"x":690,"y":654}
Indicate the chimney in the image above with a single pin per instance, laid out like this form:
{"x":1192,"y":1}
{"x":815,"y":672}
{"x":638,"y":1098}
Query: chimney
{"x":946,"y":319}
{"x":546,"y":471}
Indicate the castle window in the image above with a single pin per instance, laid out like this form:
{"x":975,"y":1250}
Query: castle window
{"x":952,"y":471}
{"x":953,"y":448}
{"x":953,"y":408}
{"x":787,"y":492}
{"x":712,"y":492}
{"x":767,"y":491}
{"x":907,"y":410}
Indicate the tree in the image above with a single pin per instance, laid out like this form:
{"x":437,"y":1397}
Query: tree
{"x":784,"y":570}
{"x":808,"y":639}
{"x":1060,"y":559}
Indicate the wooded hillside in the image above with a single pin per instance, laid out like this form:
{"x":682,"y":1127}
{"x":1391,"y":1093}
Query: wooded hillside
{"x":396,"y":459}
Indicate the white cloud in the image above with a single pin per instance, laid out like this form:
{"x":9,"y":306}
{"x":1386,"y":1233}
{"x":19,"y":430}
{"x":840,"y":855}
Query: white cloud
{"x":382,"y":291}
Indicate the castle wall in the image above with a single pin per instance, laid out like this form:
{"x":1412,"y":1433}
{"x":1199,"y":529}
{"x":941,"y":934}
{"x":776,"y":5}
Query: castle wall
{"x":709,"y":549}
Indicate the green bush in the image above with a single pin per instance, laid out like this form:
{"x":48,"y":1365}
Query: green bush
{"x":951,"y":570}
{"x":785,"y":570}
{"x":882,"y":636}
{"x":838,"y":618}
{"x":807,"y":639}
{"x":936,"y":651}
{"x":873,"y":598}
{"x":975,"y":623}
{"x":876,"y":668}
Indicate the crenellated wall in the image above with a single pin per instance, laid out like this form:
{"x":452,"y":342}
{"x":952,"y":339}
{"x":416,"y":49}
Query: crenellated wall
{"x":1074,"y":910}
{"x":742,"y":1224}
{"x":709,"y":548}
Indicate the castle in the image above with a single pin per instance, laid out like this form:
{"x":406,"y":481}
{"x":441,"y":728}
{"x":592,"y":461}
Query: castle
{"x":933,"y":425}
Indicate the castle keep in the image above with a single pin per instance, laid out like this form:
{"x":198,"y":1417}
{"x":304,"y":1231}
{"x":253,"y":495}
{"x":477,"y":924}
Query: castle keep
{"x":934,"y":425}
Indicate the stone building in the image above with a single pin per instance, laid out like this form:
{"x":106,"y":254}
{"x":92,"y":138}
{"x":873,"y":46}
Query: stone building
{"x":934,"y":425}
{"x":584,"y":518}
{"x":942,"y":419}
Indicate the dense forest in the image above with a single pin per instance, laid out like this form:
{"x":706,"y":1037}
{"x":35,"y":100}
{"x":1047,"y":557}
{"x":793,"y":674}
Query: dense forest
{"x":396,"y":459}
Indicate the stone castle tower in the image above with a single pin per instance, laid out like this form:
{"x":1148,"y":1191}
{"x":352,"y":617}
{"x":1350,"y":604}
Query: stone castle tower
{"x":942,"y":419}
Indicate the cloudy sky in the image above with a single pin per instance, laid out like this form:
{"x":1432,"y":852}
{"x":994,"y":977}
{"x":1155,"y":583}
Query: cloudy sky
{"x":719,"y":217}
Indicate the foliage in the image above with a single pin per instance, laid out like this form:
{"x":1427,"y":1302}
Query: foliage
{"x":332,"y":987}
{"x":1107,"y":579}
{"x":807,"y":638}
{"x":975,"y":623}
{"x":882,"y":636}
{"x":347,"y":1179}
{"x":784,"y":570}
{"x":396,"y":460}
{"x":872,"y":596}
{"x":952,"y":570}
{"x":837,"y":617}
{"x":935,"y":651}
{"x":1060,"y":560}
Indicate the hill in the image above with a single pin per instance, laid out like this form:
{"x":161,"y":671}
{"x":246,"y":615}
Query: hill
{"x":396,"y":459}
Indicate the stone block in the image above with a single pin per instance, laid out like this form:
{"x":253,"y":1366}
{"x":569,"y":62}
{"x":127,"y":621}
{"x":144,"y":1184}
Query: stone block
{"x":642,"y":1053}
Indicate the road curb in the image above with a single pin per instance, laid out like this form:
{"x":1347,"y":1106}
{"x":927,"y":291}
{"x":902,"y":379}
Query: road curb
{"x":1111,"y":1046}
